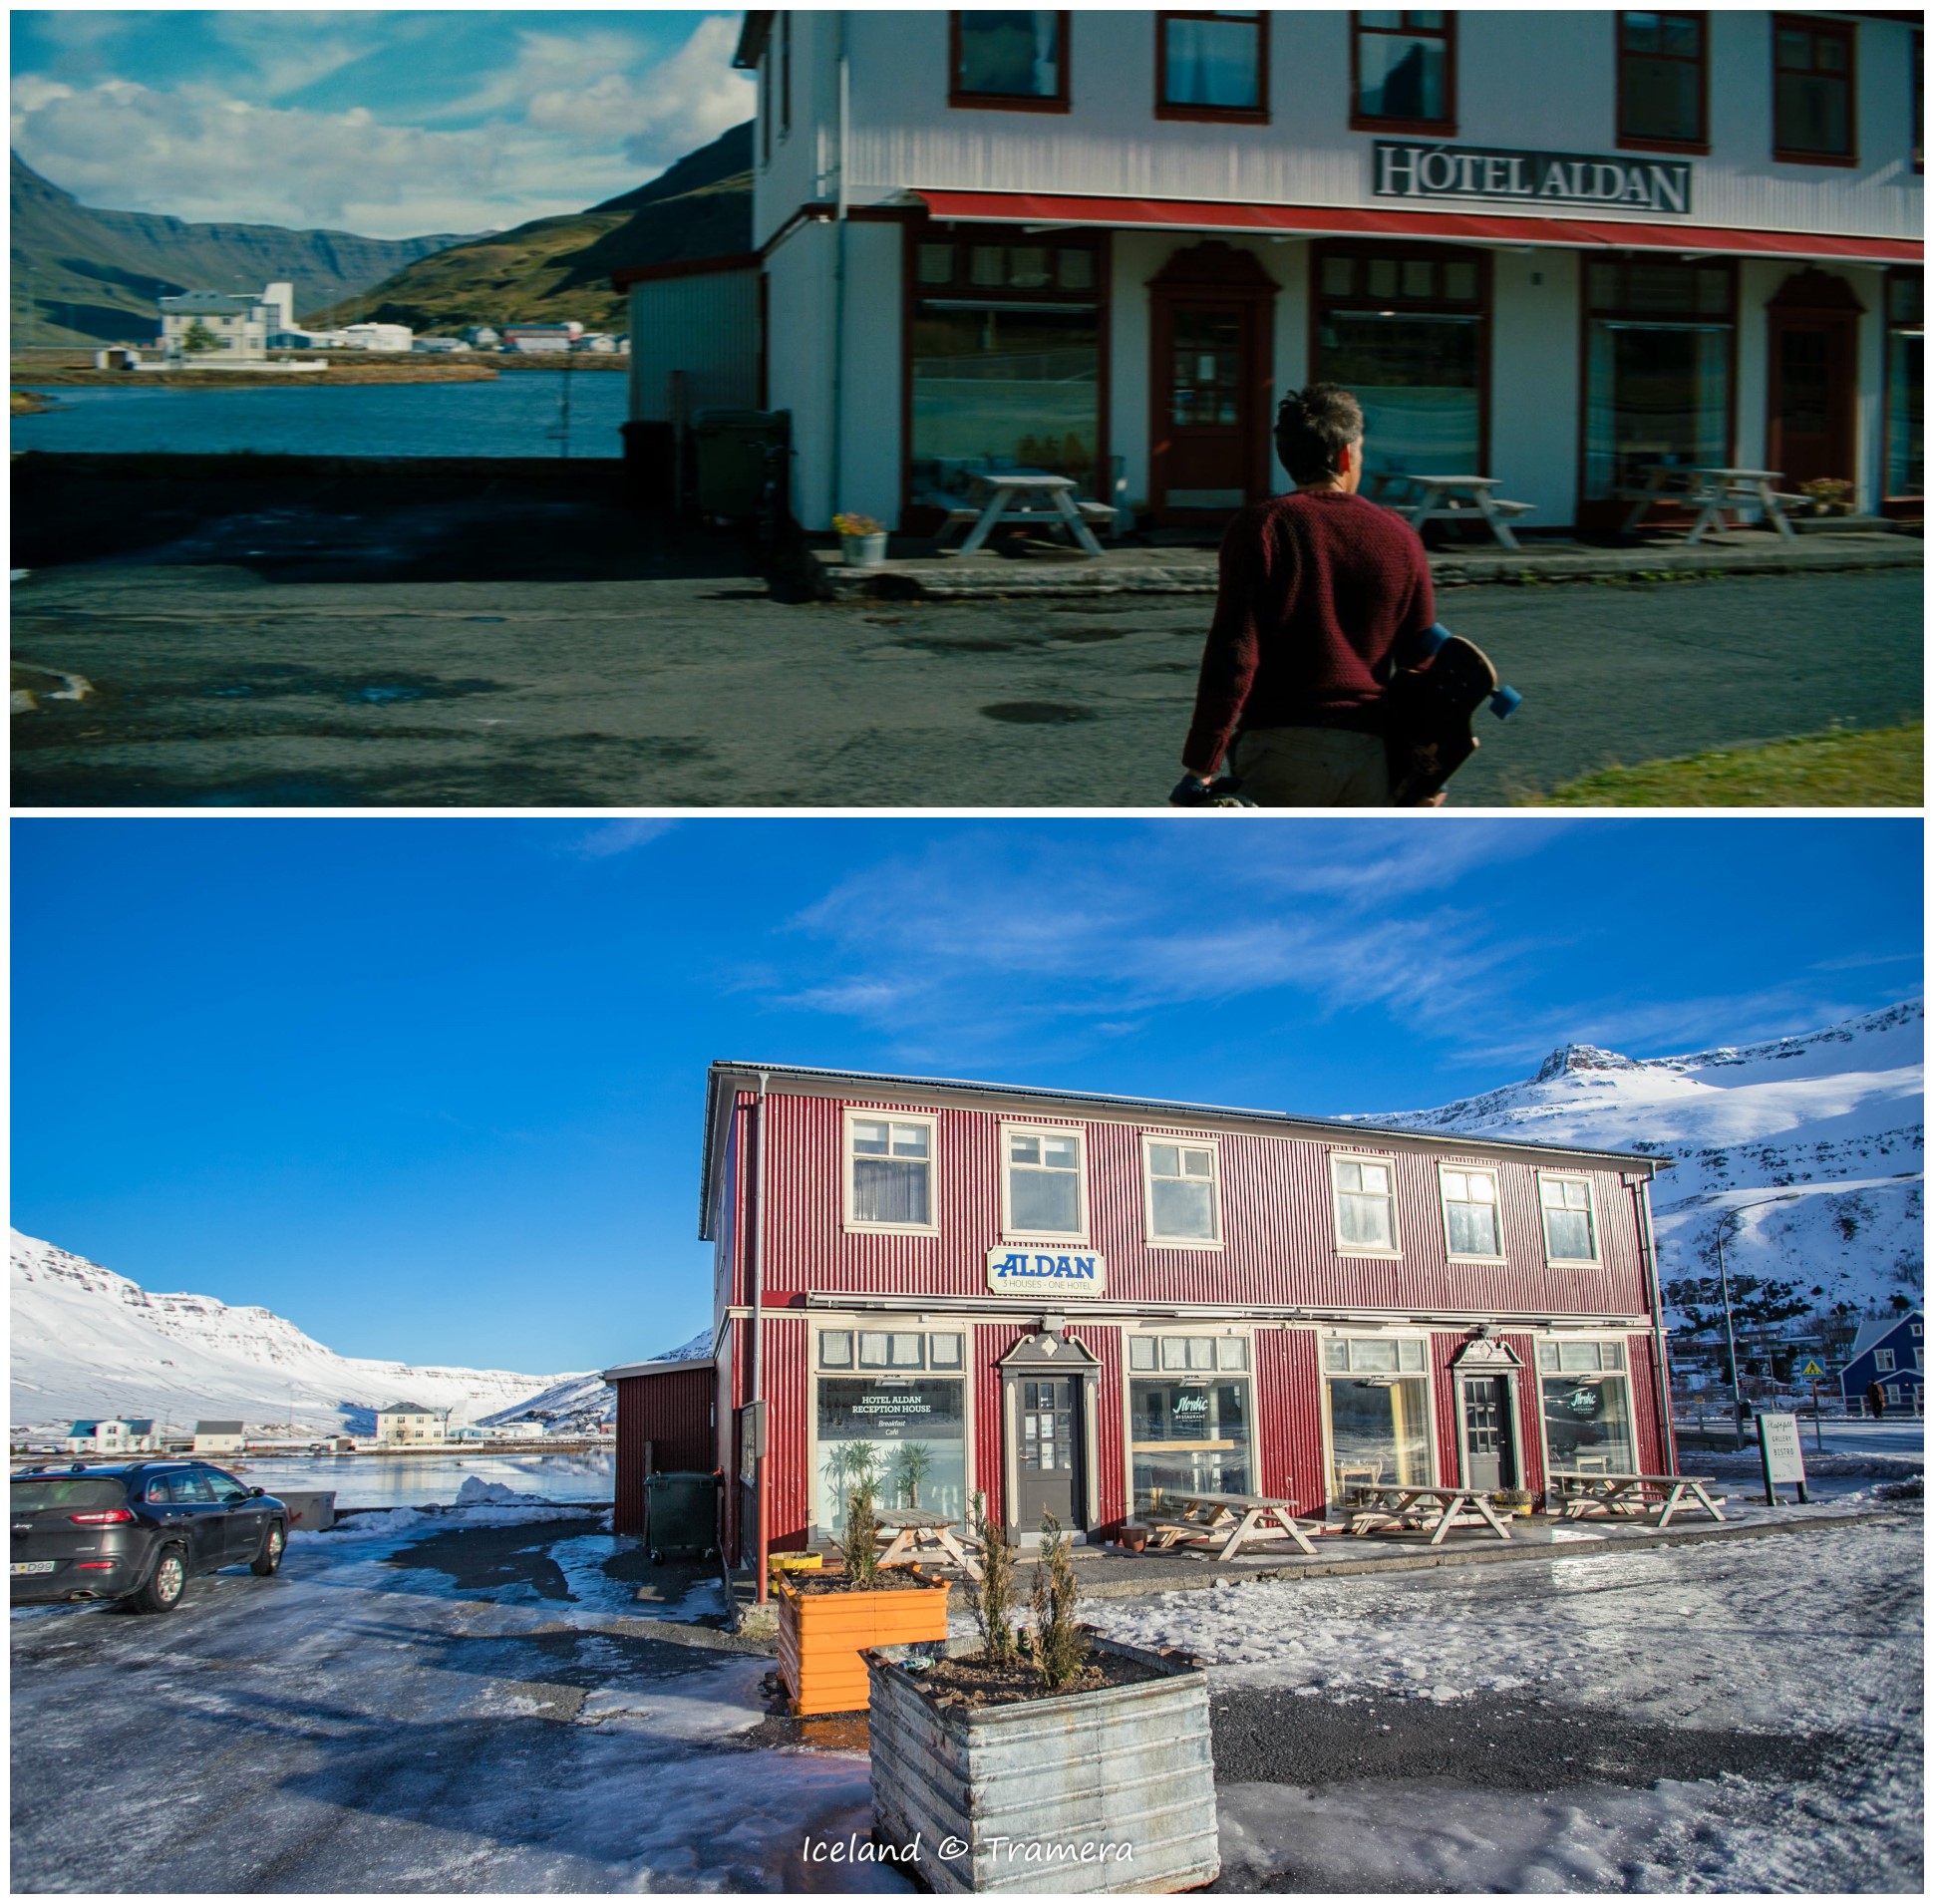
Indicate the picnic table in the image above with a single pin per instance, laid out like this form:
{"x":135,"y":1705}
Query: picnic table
{"x":1712,"y":492}
{"x":1401,"y":1507}
{"x":1595,"y":1494}
{"x":1030,"y":496}
{"x":1200,"y":1518}
{"x":1453,"y":498}
{"x":908,"y":1532}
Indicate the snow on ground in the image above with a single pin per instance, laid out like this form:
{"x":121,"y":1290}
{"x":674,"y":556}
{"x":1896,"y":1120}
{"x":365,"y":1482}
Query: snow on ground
{"x":1802,"y":1635}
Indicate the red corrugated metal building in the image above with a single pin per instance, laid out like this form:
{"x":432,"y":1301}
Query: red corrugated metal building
{"x":1066,"y":1300}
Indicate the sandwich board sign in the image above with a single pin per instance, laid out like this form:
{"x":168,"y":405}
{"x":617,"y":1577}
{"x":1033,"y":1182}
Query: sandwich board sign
{"x":1780,"y":1456}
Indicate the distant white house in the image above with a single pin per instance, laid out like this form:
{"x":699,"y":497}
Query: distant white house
{"x":113,"y":1437}
{"x":207,"y":327}
{"x":602,"y":342}
{"x":543,"y":337}
{"x":411,"y":1422}
{"x":372,"y":337}
{"x":519,"y":1432}
{"x":481,"y":336}
{"x":437,"y":346}
{"x":218,"y":1437}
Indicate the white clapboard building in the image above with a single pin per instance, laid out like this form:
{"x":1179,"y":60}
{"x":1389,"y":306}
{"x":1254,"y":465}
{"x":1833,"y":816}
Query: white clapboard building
{"x":1550,"y":247}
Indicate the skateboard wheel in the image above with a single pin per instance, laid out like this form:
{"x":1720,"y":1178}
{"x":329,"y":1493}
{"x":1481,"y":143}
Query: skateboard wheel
{"x":1432,"y":638}
{"x":1507,"y":702}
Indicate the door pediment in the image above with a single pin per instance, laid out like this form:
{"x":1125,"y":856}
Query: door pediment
{"x":1046,"y":1354}
{"x":1486,"y":1355}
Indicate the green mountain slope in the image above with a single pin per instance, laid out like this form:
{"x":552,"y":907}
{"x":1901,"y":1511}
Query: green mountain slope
{"x":557,"y":268}
{"x":84,"y":275}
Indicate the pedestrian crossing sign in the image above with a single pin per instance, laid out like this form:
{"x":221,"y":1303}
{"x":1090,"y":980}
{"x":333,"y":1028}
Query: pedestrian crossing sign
{"x":1809,"y":1369}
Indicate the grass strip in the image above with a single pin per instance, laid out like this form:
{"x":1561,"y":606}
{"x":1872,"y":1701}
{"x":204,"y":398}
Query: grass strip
{"x":1872,"y":767}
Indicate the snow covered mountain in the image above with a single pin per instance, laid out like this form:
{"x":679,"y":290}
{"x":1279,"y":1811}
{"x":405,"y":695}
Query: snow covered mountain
{"x":1834,"y":1117}
{"x":588,"y":1398}
{"x":86,"y":1342}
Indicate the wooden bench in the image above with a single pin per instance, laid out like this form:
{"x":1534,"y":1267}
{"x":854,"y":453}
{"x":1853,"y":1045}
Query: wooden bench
{"x":1236,"y":1521}
{"x":1396,"y":1507}
{"x":1594,"y":1495}
{"x":907,"y":1532}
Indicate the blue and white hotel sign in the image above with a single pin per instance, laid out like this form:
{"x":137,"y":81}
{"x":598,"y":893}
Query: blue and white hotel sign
{"x":1044,"y":1269}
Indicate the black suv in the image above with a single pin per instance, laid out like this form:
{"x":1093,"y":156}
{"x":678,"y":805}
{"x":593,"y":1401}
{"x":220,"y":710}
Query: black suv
{"x":136,"y":1532}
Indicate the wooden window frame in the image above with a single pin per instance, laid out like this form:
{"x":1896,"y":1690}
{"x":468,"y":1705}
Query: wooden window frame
{"x":1009,"y":102}
{"x":1150,"y":1235}
{"x":1846,"y":33}
{"x":853,"y":1226}
{"x":1069,"y":1239}
{"x":914,"y":231}
{"x":1366,"y":1251}
{"x":1597,"y":1259}
{"x":1257,"y":115}
{"x":1321,"y":302}
{"x":1492,"y":1171}
{"x":1361,"y":121}
{"x":1634,"y":142}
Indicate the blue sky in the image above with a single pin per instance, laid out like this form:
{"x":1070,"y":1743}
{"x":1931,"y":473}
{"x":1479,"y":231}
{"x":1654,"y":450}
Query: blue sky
{"x":388,"y":124}
{"x":432,"y":1088}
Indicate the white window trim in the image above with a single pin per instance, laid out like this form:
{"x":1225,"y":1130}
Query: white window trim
{"x":1498,"y":1206}
{"x":851,"y":1114}
{"x":1150,"y":1138}
{"x":1885,"y":1367}
{"x":1388,"y":1160}
{"x":1540,"y":1375}
{"x":1009,"y":1234}
{"x":1325,"y":1375}
{"x":1592,"y":1206}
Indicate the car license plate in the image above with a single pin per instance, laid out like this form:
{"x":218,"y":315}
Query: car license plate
{"x":33,"y":1566}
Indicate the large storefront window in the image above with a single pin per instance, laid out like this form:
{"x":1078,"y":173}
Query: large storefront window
{"x":1380,"y":1412}
{"x":1587,"y":1406}
{"x":1905,"y":469}
{"x":1006,"y":348}
{"x":1189,"y":1416}
{"x":1659,"y":346}
{"x":1405,"y":333}
{"x":904,"y":1427}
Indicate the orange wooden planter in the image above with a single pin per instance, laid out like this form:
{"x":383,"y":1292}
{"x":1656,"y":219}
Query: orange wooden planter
{"x":820,"y":1635}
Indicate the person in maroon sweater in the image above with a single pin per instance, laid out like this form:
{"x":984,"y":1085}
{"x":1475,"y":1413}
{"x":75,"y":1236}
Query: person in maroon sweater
{"x":1323,"y":597}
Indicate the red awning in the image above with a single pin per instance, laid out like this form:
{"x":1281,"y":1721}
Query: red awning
{"x":1454,"y":228}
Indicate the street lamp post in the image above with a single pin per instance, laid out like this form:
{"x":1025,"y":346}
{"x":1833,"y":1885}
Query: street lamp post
{"x":1725,"y":1298}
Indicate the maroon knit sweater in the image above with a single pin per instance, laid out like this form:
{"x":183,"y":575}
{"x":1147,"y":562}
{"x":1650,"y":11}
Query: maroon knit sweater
{"x":1318,"y":591}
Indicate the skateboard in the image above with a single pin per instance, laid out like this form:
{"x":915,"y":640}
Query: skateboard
{"x":1429,"y":710}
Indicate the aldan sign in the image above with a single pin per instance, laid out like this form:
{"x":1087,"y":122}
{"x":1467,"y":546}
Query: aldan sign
{"x":1407,"y":170}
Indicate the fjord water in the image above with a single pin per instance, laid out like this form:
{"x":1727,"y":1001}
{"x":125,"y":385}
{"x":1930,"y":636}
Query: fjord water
{"x":516,"y":415}
{"x":417,"y":1480}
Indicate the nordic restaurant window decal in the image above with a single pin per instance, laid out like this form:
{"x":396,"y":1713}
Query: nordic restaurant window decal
{"x":1030,"y":1272}
{"x":1410,"y":168}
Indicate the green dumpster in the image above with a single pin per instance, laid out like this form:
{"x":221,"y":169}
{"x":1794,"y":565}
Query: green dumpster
{"x":732,"y":450}
{"x":681,"y":1515}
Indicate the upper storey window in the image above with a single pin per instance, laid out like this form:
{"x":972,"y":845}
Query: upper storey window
{"x":1366,"y":1206}
{"x":1043,"y":1174}
{"x":1404,"y":72}
{"x":1212,"y":66}
{"x":1570,"y":1234}
{"x":1013,"y":59}
{"x":1662,"y":80}
{"x":1181,"y":1192}
{"x":890,"y":1172}
{"x":1813,"y":91}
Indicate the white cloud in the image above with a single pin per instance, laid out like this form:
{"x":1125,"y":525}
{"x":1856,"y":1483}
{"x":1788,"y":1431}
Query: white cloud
{"x":619,"y":837}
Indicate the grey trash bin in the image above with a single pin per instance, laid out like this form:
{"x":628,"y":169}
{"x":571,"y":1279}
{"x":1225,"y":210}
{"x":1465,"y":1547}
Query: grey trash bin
{"x":681,"y":1515}
{"x":732,"y":449}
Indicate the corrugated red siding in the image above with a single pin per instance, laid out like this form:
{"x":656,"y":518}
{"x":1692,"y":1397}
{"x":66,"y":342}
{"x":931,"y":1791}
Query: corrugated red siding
{"x":1103,"y":1341}
{"x":1279,"y":1239}
{"x":1443,"y":1348}
{"x":991,"y":1342}
{"x":672,"y":1415}
{"x":789,"y":1486}
{"x":1655,"y":1457}
{"x":1530,"y":1427}
{"x":1289,"y":1419}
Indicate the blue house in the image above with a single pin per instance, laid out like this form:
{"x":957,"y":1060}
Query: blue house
{"x":1888,"y":1351}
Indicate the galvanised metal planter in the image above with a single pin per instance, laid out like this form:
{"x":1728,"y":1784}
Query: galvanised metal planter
{"x":821,"y":1636}
{"x":1109,"y":1791}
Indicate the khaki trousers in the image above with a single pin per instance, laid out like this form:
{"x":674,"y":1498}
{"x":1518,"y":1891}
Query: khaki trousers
{"x":1311,"y":767}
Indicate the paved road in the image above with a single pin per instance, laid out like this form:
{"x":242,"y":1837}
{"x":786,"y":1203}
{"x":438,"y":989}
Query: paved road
{"x":468,"y":1712}
{"x":216,"y":687}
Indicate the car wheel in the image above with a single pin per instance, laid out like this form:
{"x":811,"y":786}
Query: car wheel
{"x":164,"y":1586}
{"x":269,"y":1560}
